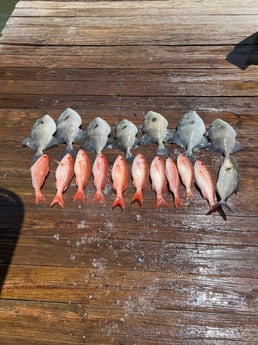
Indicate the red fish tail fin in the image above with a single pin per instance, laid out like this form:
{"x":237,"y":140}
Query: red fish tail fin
{"x":189,"y":194}
{"x":161,"y":202}
{"x":79,"y":195}
{"x":58,"y":200}
{"x":98,"y":197}
{"x":119,"y":201}
{"x":39,"y":197}
{"x":137,"y":197}
{"x":177,"y":201}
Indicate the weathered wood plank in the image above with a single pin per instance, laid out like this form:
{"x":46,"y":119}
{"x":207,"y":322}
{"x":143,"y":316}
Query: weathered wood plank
{"x":156,"y":256}
{"x":97,"y":323}
{"x":107,"y":19}
{"x":98,"y":20}
{"x":178,"y":6}
{"x":29,"y":107}
{"x":151,"y":83}
{"x":170,"y":34}
{"x":101,"y":286}
{"x":118,"y":57}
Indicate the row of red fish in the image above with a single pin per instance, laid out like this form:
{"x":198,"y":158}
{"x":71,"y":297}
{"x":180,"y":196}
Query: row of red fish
{"x":161,"y":173}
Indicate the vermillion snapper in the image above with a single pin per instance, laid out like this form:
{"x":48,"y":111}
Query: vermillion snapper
{"x":97,"y":133}
{"x":68,"y":129}
{"x":82,"y":171}
{"x":120,"y":176}
{"x":41,"y":136}
{"x":190,"y":133}
{"x":125,"y":137}
{"x":140,"y":175}
{"x":222,"y":138}
{"x":155,"y":130}
{"x":158,"y":179}
{"x":204,"y":181}
{"x":100,"y":172}
{"x":39,"y":171}
{"x":186,"y":173}
{"x":173,"y":180}
{"x":64,"y":174}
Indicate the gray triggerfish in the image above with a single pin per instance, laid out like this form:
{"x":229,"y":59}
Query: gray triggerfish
{"x":68,"y":129}
{"x":125,"y":137}
{"x":41,"y":136}
{"x":155,"y":130}
{"x":226,"y":185}
{"x":190,"y":133}
{"x":97,"y":133}
{"x":222,"y":137}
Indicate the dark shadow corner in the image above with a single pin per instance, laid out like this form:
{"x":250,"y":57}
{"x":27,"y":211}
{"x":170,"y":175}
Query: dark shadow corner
{"x":11,"y":219}
{"x":245,"y":53}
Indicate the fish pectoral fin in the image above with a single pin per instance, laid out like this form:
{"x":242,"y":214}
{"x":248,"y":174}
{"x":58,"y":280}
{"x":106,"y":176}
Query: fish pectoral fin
{"x":109,"y":143}
{"x":145,"y":140}
{"x":87,"y":146}
{"x":237,"y":147}
{"x":169,"y":135}
{"x":30,"y":143}
{"x":203,"y":143}
{"x":53,"y":142}
{"x":116,"y":145}
{"x":80,"y":135}
{"x":59,"y":137}
{"x":136,"y":143}
{"x":216,"y":149}
{"x":176,"y":140}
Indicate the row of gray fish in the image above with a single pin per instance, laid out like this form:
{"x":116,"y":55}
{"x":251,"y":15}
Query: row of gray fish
{"x":190,"y":134}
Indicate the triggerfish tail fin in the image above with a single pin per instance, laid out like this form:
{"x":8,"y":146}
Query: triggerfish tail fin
{"x":137,"y":197}
{"x":36,"y":157}
{"x":119,"y":201}
{"x":99,"y":197}
{"x":129,"y":157}
{"x":218,"y":207}
{"x":58,"y":200}
{"x":69,"y":149}
{"x":190,"y":156}
{"x":161,"y":202}
{"x":79,"y":195}
{"x":39,"y":197}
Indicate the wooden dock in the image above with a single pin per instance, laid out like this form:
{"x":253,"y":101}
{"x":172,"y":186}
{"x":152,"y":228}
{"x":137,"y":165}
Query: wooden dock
{"x":90,"y":274}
